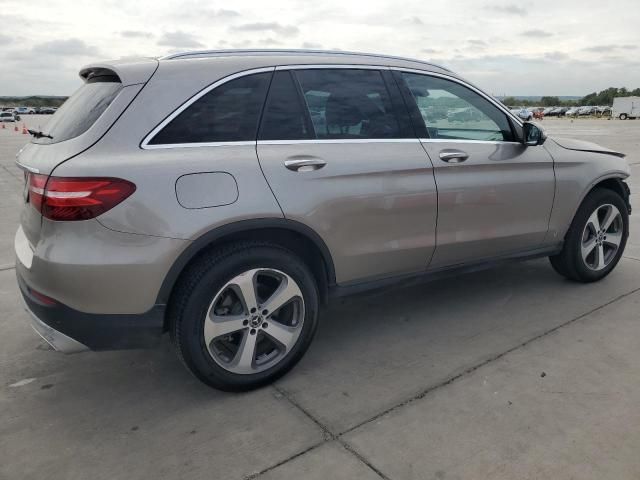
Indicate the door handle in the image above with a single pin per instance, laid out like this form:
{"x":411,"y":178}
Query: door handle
{"x":453,"y":156}
{"x":304,"y":164}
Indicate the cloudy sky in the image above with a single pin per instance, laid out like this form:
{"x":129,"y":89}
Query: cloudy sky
{"x":542,"y":47}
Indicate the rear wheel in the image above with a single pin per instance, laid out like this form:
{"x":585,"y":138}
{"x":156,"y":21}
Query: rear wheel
{"x":623,"y":116}
{"x":243,"y":316}
{"x":596,"y":238}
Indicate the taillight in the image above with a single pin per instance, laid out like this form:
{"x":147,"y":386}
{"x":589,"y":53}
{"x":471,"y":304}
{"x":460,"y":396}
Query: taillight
{"x":74,"y":198}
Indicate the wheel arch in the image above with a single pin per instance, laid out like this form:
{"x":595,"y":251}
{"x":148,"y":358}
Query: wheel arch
{"x":613,"y":182}
{"x":296,"y":236}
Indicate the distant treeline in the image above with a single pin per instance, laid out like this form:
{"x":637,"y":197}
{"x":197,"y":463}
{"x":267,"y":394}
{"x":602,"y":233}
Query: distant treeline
{"x":605,"y":97}
{"x":34,"y":101}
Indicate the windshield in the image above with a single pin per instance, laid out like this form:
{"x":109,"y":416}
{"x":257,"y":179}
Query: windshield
{"x":80,"y":111}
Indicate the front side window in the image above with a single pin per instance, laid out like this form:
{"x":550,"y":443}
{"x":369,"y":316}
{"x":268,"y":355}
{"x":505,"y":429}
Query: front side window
{"x":348,"y":103}
{"x":453,"y":111}
{"x":228,"y":113}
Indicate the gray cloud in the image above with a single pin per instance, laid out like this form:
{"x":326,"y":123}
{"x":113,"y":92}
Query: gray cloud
{"x":477,"y":43}
{"x":430,"y":51}
{"x":536,"y":32}
{"x":70,"y":47}
{"x":608,"y":48}
{"x":136,"y":34}
{"x":270,"y":41}
{"x":275,"y":27}
{"x":179,"y":40}
{"x":416,"y":21}
{"x":510,"y":9}
{"x":196,"y":11}
{"x":556,"y":56}
{"x":5,"y":39}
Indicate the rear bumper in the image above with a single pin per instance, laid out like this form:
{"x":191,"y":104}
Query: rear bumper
{"x":69,"y":331}
{"x":58,"y":340}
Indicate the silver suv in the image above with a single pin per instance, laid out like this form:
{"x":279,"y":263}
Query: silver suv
{"x":224,"y":196}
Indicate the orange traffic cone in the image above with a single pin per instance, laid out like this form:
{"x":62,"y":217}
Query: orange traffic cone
{"x":15,"y":128}
{"x":3,"y":127}
{"x":24,"y":129}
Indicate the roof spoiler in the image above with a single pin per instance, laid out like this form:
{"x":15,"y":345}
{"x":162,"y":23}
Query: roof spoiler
{"x":127,"y":71}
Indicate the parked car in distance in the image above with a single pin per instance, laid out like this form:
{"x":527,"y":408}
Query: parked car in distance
{"x":603,"y":110}
{"x":522,"y":113}
{"x":213,"y":200}
{"x":586,"y":110}
{"x":47,"y":111}
{"x":547,"y":111}
{"x":9,"y":117}
{"x":25,"y":111}
{"x":572,"y":112}
{"x":625,"y":107}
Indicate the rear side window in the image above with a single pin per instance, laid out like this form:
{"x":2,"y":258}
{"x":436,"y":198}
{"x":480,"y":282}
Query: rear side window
{"x":285,"y":117}
{"x":81,"y":110}
{"x":348,"y":103}
{"x":228,"y":113}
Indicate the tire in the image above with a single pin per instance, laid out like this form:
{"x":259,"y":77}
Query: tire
{"x":571,"y":262}
{"x":212,"y":288}
{"x":623,"y":116}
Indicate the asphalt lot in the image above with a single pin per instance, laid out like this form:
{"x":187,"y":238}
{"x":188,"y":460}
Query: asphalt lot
{"x":501,"y":374}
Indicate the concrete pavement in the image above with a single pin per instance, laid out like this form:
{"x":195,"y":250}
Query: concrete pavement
{"x":508,"y":373}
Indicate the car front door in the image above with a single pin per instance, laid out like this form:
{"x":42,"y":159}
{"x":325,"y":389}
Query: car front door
{"x":337,"y":148}
{"x":494,"y":194}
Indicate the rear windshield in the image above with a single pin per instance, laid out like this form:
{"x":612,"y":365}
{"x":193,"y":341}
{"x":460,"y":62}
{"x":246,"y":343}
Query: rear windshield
{"x":80,"y":111}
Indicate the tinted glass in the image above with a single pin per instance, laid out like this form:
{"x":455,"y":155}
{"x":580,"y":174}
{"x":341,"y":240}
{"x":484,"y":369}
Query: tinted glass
{"x":80,"y":111}
{"x":228,"y":113}
{"x":452,"y":111}
{"x":346,"y":103}
{"x":284,"y":117}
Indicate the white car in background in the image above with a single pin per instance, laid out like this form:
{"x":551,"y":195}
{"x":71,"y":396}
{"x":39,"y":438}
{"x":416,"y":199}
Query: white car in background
{"x":523,"y":113}
{"x":25,"y":111}
{"x":9,"y":117}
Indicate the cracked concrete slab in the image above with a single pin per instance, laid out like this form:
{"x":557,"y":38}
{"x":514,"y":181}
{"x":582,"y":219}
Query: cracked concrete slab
{"x":562,"y":407}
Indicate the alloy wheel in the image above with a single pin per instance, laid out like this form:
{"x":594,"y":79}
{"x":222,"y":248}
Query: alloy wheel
{"x":254,"y":321}
{"x":601,"y":237}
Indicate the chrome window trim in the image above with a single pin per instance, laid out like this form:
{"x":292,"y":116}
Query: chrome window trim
{"x":495,"y":102}
{"x":145,"y":142}
{"x":463,"y":140}
{"x":201,"y":144}
{"x":338,"y":140}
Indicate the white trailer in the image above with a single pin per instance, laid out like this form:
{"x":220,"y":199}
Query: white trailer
{"x":626,"y":107}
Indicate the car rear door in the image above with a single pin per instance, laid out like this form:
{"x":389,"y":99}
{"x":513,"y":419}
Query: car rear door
{"x":337,"y":148}
{"x":495,"y":194}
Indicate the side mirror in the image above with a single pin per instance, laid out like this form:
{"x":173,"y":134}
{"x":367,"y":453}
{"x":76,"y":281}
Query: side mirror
{"x":533,"y":134}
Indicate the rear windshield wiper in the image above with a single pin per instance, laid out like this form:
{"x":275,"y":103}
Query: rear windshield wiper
{"x":39,"y":134}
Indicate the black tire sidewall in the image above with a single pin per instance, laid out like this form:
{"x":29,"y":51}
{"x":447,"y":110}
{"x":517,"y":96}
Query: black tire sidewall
{"x":594,"y":200}
{"x":212,"y":278}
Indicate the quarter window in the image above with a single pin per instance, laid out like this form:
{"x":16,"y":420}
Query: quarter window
{"x":285,"y":117}
{"x":452,"y":111}
{"x":227,"y":113}
{"x":348,"y":103}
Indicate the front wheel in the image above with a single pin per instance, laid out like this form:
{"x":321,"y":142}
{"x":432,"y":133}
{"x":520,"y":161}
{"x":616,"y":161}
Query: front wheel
{"x":596,"y":238}
{"x":244,"y":315}
{"x":623,"y":116}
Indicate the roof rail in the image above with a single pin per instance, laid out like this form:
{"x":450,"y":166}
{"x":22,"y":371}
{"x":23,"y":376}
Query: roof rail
{"x":279,"y":51}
